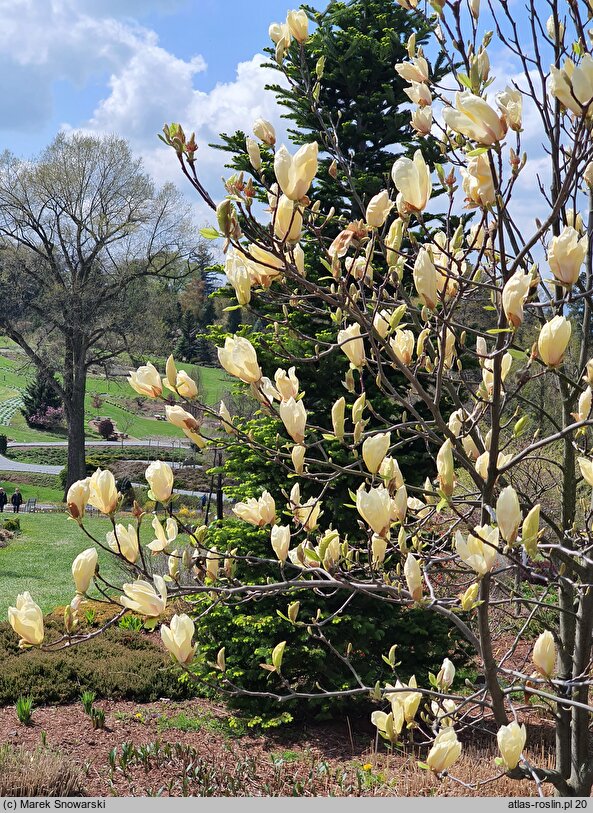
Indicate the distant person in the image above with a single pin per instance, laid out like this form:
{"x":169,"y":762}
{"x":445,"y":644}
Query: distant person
{"x":203,"y":501}
{"x":3,"y":499}
{"x":16,"y":500}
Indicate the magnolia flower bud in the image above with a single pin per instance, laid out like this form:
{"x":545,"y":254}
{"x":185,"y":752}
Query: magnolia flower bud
{"x":253,"y":152}
{"x":173,"y":565}
{"x":288,"y":220}
{"x":378,"y":549}
{"x":566,"y":255}
{"x":159,"y":476}
{"x":584,"y":409}
{"x":352,"y":344}
{"x":26,"y":619}
{"x":468,"y":599}
{"x":295,"y":173}
{"x":390,"y":725}
{"x":125,"y":542}
{"x":374,"y":506}
{"x":399,"y":505}
{"x":413,"y":576}
{"x":412,"y":179}
{"x":418,"y":93}
{"x":446,"y":468}
{"x":213,"y":559}
{"x":145,"y":599}
{"x":508,"y":514}
{"x":553,"y":340}
{"x":179,"y":381}
{"x":239,"y":275}
{"x":177,"y":638}
{"x":374,"y":450}
{"x":444,"y":752}
{"x":186,"y":422}
{"x":378,"y":209}
{"x":226,"y":419}
{"x":298,"y":456}
{"x":409,"y":5}
{"x":258,"y":512}
{"x":83,"y":569}
{"x":473,"y":117}
{"x":474,"y":7}
{"x":586,"y":467}
{"x":298,"y":25}
{"x":238,"y":357}
{"x":530,"y":531}
{"x":514,"y":294}
{"x":572,"y":85}
{"x":511,"y":742}
{"x":588,"y":174}
{"x":393,"y":241}
{"x":425,"y":279}
{"x":294,"y":417}
{"x":263,"y":130}
{"x":446,"y":675}
{"x":544,"y":654}
{"x":477,"y":182}
{"x":103,"y":491}
{"x":77,"y":498}
{"x":338,"y":410}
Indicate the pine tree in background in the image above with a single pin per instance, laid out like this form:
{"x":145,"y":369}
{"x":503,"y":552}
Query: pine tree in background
{"x":42,"y":407}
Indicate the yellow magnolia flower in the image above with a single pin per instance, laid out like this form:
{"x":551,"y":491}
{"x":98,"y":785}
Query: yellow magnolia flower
{"x":374,"y":450}
{"x":103,"y":491}
{"x":253,"y":151}
{"x":510,"y":103}
{"x":26,"y":619}
{"x":298,"y":25}
{"x":480,"y":549}
{"x":238,"y":274}
{"x":425,"y":279}
{"x":295,"y":173}
{"x":238,"y":357}
{"x":177,"y":638}
{"x":444,"y":752}
{"x":544,"y":654}
{"x":186,"y":422}
{"x":402,"y":344}
{"x":164,"y":536}
{"x":514,"y":294}
{"x":146,"y":381}
{"x":530,"y":531}
{"x":412,"y":180}
{"x":416,"y":70}
{"x":288,"y":220}
{"x":374,"y":506}
{"x":83,"y":569}
{"x":508,"y":514}
{"x":125,"y":541}
{"x":473,"y":117}
{"x":566,"y":255}
{"x":511,"y":742}
{"x":264,"y":130}
{"x":352,"y":344}
{"x":378,"y":209}
{"x":287,"y":384}
{"x":446,"y":468}
{"x":78,"y":497}
{"x":145,"y":598}
{"x":294,"y":417}
{"x":413,"y":576}
{"x":257,"y":511}
{"x":553,"y":340}
{"x":478,"y":183}
{"x":280,"y":539}
{"x":160,"y":479}
{"x":572,"y":85}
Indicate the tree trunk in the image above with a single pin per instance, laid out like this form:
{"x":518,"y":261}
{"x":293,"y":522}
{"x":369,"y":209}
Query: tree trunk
{"x":74,"y":408}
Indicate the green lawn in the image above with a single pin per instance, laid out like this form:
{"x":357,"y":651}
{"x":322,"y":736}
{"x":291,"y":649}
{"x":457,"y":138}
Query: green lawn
{"x":45,"y":487}
{"x":40,"y":559}
{"x":117,"y":402}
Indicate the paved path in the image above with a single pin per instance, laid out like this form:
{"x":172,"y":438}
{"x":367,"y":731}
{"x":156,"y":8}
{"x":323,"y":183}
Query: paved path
{"x":38,"y":468}
{"x":113,"y":443}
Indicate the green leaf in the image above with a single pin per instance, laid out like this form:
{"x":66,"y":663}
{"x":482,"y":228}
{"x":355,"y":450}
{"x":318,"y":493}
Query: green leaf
{"x":493,"y":331}
{"x":477,"y":151}
{"x":519,"y":355}
{"x":210,"y":233}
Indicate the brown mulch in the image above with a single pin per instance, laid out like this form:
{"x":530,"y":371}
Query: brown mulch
{"x":339,"y":758}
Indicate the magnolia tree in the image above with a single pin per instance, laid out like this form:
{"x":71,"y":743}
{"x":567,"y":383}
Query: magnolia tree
{"x":487,"y":321}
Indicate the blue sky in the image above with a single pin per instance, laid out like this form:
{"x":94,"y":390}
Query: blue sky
{"x":127,"y":66}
